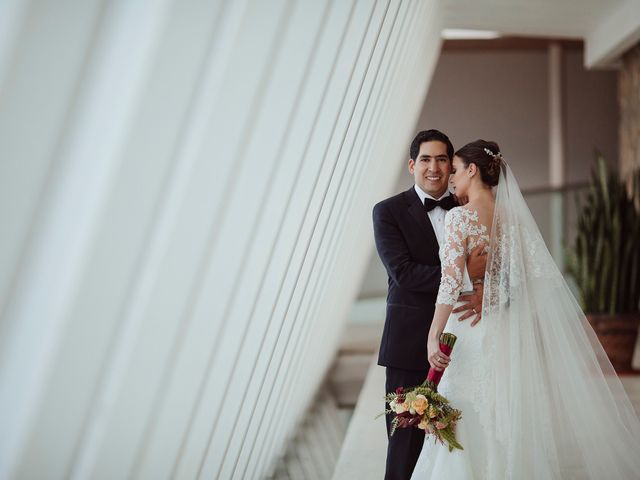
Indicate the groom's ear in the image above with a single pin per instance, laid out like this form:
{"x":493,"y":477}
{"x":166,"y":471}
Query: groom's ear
{"x":411,"y":165}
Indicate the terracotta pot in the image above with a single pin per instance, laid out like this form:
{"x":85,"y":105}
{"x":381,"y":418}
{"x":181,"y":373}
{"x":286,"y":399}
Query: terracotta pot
{"x":618,"y":334}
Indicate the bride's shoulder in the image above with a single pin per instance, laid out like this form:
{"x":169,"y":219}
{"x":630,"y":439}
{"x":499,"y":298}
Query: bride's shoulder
{"x":461,"y":218}
{"x":462,"y":212}
{"x":454,"y":212}
{"x":458,"y":216}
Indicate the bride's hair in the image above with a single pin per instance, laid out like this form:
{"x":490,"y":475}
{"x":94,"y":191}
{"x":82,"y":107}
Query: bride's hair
{"x":487,"y":157}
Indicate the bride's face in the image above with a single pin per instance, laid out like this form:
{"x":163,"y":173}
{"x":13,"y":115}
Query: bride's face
{"x":459,"y":178}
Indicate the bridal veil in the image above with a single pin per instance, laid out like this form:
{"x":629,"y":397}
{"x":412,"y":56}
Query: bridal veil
{"x":554,"y":406}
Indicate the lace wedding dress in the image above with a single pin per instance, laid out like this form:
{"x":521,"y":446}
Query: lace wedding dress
{"x":463,"y":379}
{"x":539,"y":397}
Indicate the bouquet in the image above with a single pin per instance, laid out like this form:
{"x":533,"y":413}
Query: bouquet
{"x":423,"y":407}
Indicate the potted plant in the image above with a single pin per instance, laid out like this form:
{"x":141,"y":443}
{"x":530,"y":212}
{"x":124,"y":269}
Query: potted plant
{"x":605,"y":261}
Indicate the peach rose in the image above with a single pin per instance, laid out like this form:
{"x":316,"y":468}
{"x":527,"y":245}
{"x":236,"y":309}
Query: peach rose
{"x":420,"y":404}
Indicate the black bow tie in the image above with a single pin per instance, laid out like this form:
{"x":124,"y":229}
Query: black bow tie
{"x":447,"y":203}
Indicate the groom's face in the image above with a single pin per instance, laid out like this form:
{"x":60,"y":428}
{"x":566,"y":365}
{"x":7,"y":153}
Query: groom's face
{"x":432,"y":168}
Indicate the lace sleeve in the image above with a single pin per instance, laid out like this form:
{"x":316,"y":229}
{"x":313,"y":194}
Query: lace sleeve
{"x":452,"y":257}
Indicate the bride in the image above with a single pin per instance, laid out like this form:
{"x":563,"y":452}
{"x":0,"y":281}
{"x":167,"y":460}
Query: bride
{"x":539,"y":398}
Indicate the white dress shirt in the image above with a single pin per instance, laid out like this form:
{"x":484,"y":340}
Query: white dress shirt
{"x":436,"y":216}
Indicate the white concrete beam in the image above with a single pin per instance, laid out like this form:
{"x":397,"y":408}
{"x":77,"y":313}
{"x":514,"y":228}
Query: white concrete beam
{"x":613,"y":35}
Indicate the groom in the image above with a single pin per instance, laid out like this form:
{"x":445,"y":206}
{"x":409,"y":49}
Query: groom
{"x":409,"y":228}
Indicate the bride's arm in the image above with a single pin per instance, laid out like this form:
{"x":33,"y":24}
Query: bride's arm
{"x":453,"y":260}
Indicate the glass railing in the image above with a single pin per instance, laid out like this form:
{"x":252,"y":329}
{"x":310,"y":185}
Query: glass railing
{"x":556,"y":211}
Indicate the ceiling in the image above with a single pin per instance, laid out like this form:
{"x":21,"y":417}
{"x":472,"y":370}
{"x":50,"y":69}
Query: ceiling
{"x":608,"y":27}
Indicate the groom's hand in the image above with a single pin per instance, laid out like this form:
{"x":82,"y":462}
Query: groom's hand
{"x":472,"y":304}
{"x":477,"y":264}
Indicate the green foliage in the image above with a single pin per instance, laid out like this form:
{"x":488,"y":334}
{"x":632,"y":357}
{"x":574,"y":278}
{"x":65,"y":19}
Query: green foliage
{"x":382,"y":414}
{"x":605,"y":258}
{"x":449,"y":437}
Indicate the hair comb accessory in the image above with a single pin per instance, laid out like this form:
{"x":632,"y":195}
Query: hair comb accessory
{"x":496,"y":156}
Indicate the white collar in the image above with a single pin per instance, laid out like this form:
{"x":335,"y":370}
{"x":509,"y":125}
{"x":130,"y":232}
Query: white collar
{"x":422,"y":194}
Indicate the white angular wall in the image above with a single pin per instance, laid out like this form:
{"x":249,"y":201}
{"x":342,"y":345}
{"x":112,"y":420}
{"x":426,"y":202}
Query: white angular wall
{"x":185,"y":198}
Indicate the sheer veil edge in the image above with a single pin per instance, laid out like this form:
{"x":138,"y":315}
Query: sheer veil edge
{"x":556,"y":408}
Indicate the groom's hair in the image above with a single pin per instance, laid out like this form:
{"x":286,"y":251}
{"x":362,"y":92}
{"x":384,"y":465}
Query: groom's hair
{"x":430,"y":136}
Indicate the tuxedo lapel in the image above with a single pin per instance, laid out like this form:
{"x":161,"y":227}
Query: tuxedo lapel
{"x":419,"y":214}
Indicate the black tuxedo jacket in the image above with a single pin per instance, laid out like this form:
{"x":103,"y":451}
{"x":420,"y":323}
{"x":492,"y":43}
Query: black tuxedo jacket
{"x":408,"y":248}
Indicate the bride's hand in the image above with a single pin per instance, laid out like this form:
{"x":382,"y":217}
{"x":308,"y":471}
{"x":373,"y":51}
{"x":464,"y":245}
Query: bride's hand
{"x":437,"y":359}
